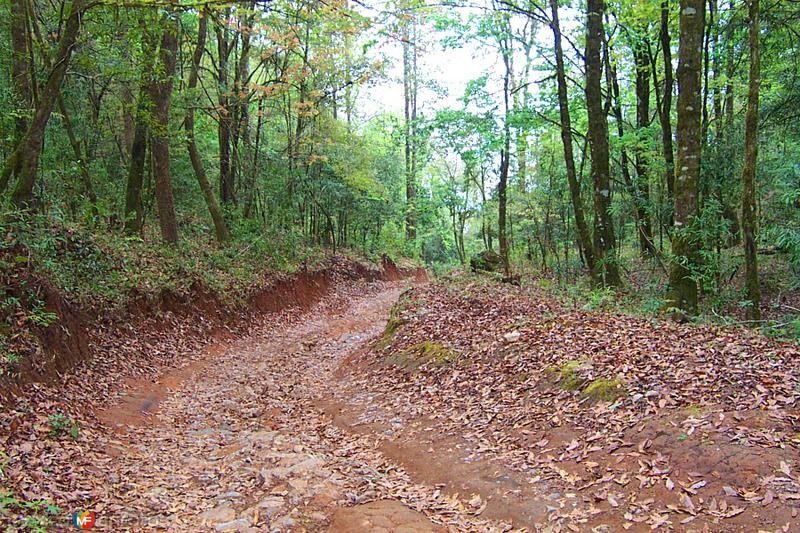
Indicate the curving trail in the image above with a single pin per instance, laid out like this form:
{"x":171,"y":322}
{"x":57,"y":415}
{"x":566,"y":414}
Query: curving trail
{"x":241,"y":441}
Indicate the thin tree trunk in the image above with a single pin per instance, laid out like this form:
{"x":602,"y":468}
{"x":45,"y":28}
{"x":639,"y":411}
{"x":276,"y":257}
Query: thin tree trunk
{"x":584,"y":238}
{"x":749,"y":171}
{"x":20,"y":75}
{"x":640,"y":158}
{"x":224,"y":129}
{"x":83,"y":164}
{"x":160,"y":90}
{"x":598,"y":143}
{"x":220,"y":227}
{"x":134,"y":209}
{"x":410,"y":112}
{"x":28,"y":151}
{"x":684,"y":246}
{"x":666,"y":103}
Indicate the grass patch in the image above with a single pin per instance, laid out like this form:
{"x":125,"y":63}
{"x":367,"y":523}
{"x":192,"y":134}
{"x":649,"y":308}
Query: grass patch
{"x":567,"y":376}
{"x":604,"y":390}
{"x":423,"y":353}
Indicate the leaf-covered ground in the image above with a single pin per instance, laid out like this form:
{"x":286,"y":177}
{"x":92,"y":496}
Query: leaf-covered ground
{"x":590,"y":421}
{"x":476,"y":407}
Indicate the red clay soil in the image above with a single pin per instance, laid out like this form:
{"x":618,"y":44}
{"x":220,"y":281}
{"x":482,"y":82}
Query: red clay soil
{"x":50,"y":352}
{"x":700,"y":430}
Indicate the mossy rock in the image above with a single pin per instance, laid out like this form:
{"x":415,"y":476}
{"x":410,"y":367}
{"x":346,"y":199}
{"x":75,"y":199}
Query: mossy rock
{"x":423,"y":353}
{"x":395,"y":322}
{"x":567,"y":375}
{"x":604,"y":390}
{"x":486,"y":261}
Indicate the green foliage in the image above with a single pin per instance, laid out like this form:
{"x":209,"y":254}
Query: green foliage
{"x":35,"y":516}
{"x":424,"y":353}
{"x":61,"y":424}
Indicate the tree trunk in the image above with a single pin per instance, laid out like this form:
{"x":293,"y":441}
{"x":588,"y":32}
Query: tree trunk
{"x":410,"y":112}
{"x":749,"y":171}
{"x":82,"y":161}
{"x":26,"y":155}
{"x":640,"y":160}
{"x":505,"y":155}
{"x":20,"y":75}
{"x":220,"y":227}
{"x":134,"y":210}
{"x":160,"y":90}
{"x":224,"y":129}
{"x":666,"y":104}
{"x":598,"y":144}
{"x":584,"y":238}
{"x":684,"y":246}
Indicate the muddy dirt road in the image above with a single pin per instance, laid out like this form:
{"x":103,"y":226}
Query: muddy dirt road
{"x":248,"y":439}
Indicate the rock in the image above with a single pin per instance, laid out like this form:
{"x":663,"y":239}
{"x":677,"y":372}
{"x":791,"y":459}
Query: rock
{"x":298,"y":484}
{"x":241,"y":524}
{"x":309,"y":465}
{"x":271,"y":505}
{"x":219,"y":514}
{"x":283,"y":523}
{"x":486,"y":261}
{"x":232,"y":496}
{"x":512,"y":336}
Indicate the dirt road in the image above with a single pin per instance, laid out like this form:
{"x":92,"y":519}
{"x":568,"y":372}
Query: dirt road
{"x":241,"y":441}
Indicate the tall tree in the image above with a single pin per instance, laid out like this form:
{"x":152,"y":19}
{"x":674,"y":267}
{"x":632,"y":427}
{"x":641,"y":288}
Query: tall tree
{"x":410,"y":87}
{"x":160,"y":92}
{"x":25,"y":158}
{"x":690,"y":68}
{"x":220,"y":227}
{"x":584,"y":237}
{"x":665,"y":111}
{"x":20,"y":72}
{"x":605,"y":241}
{"x":506,"y":50}
{"x":749,"y":171}
{"x":640,"y":157}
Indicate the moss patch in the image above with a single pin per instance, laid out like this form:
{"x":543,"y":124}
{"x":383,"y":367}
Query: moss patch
{"x":602,"y":389}
{"x":567,"y":375}
{"x":395,"y":322}
{"x":426,"y":352}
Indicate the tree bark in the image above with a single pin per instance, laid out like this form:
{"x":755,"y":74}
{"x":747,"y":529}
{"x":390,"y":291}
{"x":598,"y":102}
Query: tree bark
{"x":134,"y":210}
{"x":640,"y":158}
{"x":220,"y":227}
{"x":666,"y":103}
{"x":160,"y":91}
{"x":505,"y":155}
{"x":224,"y":130}
{"x":752,"y":286}
{"x":584,"y":238}
{"x":684,"y":246}
{"x":598,"y":144}
{"x":410,"y":112}
{"x":20,"y":75}
{"x":26,"y":156}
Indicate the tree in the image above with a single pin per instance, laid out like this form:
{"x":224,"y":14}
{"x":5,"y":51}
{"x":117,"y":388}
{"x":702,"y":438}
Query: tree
{"x":752,"y":287}
{"x":25,"y":158}
{"x":160,"y":92}
{"x":605,"y":241}
{"x":584,"y":238}
{"x":220,"y":227}
{"x":409,"y":25}
{"x":684,"y":245}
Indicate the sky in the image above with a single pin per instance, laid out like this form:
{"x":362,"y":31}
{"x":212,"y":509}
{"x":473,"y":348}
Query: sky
{"x":451,"y":69}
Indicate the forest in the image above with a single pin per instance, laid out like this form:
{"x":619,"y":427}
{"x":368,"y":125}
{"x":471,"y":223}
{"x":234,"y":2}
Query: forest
{"x":179,"y":175}
{"x":642,"y":147}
